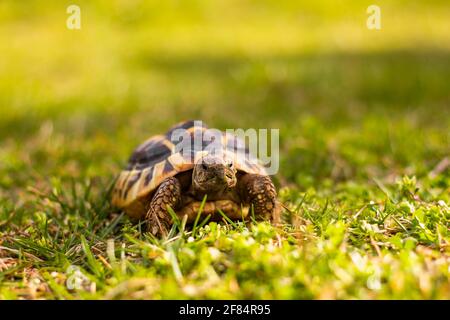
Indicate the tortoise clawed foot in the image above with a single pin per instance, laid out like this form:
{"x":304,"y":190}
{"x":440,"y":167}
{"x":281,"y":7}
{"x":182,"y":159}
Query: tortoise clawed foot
{"x":157,"y":227}
{"x":260,"y":193}
{"x":158,"y":217}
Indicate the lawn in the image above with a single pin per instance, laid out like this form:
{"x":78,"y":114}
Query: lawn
{"x":364,"y":119}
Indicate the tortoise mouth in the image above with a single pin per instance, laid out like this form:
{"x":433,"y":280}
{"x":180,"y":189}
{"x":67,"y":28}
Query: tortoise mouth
{"x":213,"y":180}
{"x":213,"y":184}
{"x":230,"y":180}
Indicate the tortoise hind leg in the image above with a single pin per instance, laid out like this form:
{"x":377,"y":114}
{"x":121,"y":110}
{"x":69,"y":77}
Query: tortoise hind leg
{"x":167,"y":195}
{"x":259,"y":192}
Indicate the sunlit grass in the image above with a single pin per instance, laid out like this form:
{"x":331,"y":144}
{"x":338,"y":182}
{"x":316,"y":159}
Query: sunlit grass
{"x":363,"y":118}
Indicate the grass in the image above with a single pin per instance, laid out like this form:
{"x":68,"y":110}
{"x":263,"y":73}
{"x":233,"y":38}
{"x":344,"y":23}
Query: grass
{"x":363,"y":118}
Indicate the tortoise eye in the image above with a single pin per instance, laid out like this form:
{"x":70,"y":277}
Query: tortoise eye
{"x":230,"y":165}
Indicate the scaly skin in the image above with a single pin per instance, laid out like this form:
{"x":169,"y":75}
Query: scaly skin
{"x":167,"y":195}
{"x":259,"y":192}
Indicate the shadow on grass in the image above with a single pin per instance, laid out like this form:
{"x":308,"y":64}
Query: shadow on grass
{"x":265,"y":90}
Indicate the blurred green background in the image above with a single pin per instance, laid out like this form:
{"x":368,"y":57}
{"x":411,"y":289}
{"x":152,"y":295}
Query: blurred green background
{"x":357,"y":110}
{"x":312,"y":69}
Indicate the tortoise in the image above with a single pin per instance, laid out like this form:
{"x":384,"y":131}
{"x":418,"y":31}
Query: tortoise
{"x":163,"y":175}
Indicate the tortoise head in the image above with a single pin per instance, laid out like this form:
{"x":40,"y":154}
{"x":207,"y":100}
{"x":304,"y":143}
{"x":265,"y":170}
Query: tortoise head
{"x":213,"y":174}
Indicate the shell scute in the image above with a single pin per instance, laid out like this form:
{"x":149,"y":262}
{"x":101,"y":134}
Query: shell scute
{"x":164,"y":156}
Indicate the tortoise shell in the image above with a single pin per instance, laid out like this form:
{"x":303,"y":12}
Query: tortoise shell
{"x":159,"y":158}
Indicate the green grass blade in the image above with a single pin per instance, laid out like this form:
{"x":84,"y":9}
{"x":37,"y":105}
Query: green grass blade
{"x":93,"y":264}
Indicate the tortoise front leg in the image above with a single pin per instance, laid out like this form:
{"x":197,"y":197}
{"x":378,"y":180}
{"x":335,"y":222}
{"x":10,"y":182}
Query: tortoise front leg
{"x":167,"y":195}
{"x":259,"y":192}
